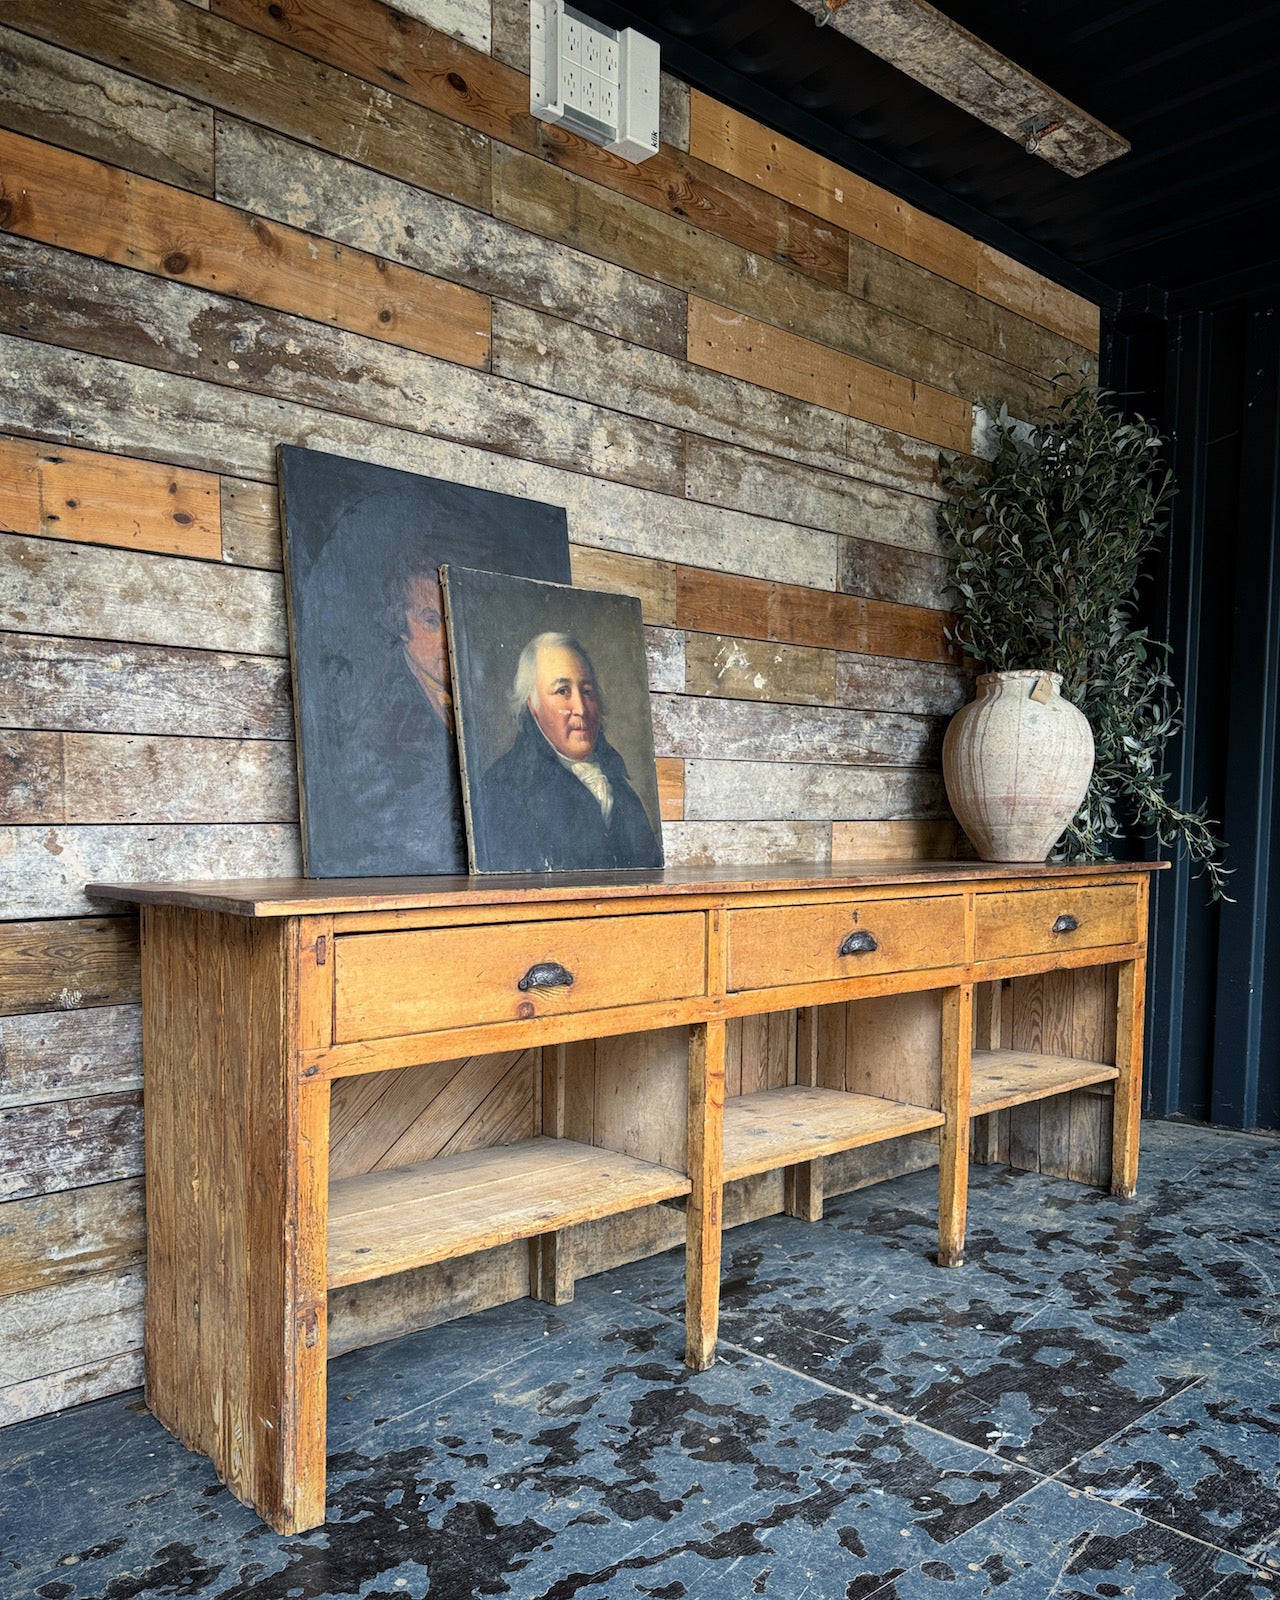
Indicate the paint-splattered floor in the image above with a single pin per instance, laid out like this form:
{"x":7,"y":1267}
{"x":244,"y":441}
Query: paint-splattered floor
{"x":1090,"y":1407}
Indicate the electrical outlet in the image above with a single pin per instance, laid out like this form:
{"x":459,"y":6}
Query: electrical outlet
{"x":571,"y":50}
{"x":570,"y":84}
{"x":590,"y":94}
{"x":591,"y":51}
{"x":610,"y":64}
{"x":600,"y":84}
{"x":608,"y":103}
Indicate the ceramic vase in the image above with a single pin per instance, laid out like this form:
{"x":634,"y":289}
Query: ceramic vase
{"x":1017,"y":761}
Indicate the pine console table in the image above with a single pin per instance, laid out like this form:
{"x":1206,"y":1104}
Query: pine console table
{"x":257,"y":995}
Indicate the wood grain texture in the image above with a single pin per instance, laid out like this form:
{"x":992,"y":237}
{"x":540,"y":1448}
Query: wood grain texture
{"x":69,"y":100}
{"x":96,"y":592}
{"x":759,"y":352}
{"x":878,"y":566}
{"x":43,"y":870}
{"x":883,"y":683}
{"x":757,"y":669}
{"x":749,"y":730}
{"x":903,"y":839}
{"x":66,"y":1144}
{"x":671,"y":789}
{"x":64,"y":394}
{"x":57,"y":1338}
{"x":60,"y":965}
{"x":186,"y":50}
{"x":106,"y":777}
{"x":99,"y":499}
{"x":250,"y":524}
{"x":176,"y":327}
{"x":92,"y":686}
{"x":564,"y":356}
{"x":653,"y":583}
{"x":752,"y":608}
{"x":51,"y":1239}
{"x":321,"y":193}
{"x":69,"y":1055}
{"x":75,"y":203}
{"x":725,"y":790}
{"x":705,"y":844}
{"x":780,"y":165}
{"x":561,"y":206}
{"x":429,"y":69}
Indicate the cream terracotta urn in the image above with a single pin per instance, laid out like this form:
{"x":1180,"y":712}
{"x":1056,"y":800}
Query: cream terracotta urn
{"x":1017,"y":761}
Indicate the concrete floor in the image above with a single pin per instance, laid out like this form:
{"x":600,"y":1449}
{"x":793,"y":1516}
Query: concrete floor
{"x":1089,"y":1407}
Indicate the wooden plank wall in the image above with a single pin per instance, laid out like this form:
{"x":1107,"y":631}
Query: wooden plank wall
{"x":227,"y":224}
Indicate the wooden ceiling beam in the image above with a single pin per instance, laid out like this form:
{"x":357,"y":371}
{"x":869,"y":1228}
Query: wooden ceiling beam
{"x":946,"y":58}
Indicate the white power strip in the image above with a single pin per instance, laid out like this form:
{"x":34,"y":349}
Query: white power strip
{"x":600,"y":83}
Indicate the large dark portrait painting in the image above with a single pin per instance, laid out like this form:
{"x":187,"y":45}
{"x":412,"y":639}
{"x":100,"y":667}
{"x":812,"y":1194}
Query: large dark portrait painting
{"x":555,"y":726}
{"x":378,"y":764}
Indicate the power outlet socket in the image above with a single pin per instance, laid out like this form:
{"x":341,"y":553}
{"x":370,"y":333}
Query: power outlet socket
{"x":601,"y":84}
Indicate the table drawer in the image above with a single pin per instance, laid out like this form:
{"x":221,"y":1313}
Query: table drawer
{"x":777,"y":945}
{"x":436,"y":978}
{"x":1030,"y":922}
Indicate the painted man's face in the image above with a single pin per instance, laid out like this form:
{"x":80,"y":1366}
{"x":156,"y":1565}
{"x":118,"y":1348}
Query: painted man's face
{"x":423,"y":625}
{"x":564,"y":702}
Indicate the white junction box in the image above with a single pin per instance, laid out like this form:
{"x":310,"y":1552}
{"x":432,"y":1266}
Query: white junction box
{"x":600,"y":83}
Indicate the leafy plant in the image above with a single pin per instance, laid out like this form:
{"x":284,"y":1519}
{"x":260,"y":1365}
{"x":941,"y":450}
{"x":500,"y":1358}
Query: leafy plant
{"x":1047,"y":540}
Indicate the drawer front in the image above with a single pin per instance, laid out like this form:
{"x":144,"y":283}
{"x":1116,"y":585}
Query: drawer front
{"x":1031,"y":922}
{"x":778,"y":945}
{"x":430,"y":979}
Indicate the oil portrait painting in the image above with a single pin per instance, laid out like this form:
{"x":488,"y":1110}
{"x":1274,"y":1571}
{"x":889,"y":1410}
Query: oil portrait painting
{"x":377,"y":757}
{"x":555,"y":726}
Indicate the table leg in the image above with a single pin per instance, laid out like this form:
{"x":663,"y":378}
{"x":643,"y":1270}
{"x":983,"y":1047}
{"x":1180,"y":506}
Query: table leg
{"x":706,"y":1171}
{"x":953,"y":1155}
{"x":1128,"y":1090}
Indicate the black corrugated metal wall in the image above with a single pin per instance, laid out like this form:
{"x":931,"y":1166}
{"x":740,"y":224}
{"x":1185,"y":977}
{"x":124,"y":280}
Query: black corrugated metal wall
{"x":1211,"y":380}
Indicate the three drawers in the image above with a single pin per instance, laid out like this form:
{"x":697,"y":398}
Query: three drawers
{"x":430,"y":979}
{"x":774,"y":946}
{"x":1029,"y":922}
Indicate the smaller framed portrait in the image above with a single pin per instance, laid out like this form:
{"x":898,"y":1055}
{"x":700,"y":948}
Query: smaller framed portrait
{"x":554,"y":726}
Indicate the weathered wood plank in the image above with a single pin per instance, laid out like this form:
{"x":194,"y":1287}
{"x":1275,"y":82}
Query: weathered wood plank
{"x":71,"y":1386}
{"x":705,"y":844}
{"x":880,"y":683}
{"x":673,"y":112}
{"x":795,"y":492}
{"x":62,"y":493}
{"x":937,"y":303}
{"x":429,"y":69}
{"x":740,"y":144}
{"x":709,"y":602}
{"x":903,"y":839}
{"x":96,"y":592}
{"x":671,"y":790}
{"x":664,"y":654}
{"x":468,"y":20}
{"x":178,"y":328}
{"x":748,"y":730}
{"x":756,"y":669}
{"x":103,"y":777}
{"x":74,"y":203}
{"x":67,"y":1327}
{"x":90,"y":686}
{"x":551,"y":353}
{"x":511,"y":33}
{"x":787,"y":791}
{"x":882,"y":569}
{"x":43,"y":870}
{"x":758,"y":352}
{"x":69,"y":100}
{"x":189,"y":51}
{"x":561,"y":206}
{"x":66,"y":1055}
{"x":58,"y":966}
{"x":653,"y":583}
{"x":52,"y":1238}
{"x":66,"y":1144}
{"x":250,"y":524}
{"x":317,"y":191}
{"x":62,"y":394}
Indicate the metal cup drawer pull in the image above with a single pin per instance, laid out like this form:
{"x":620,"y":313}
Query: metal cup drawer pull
{"x":1066,"y":923}
{"x":859,"y":943}
{"x":546,"y":975}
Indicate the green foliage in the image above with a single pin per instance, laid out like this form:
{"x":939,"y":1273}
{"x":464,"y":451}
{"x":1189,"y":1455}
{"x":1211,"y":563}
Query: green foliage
{"x":1047,"y":541}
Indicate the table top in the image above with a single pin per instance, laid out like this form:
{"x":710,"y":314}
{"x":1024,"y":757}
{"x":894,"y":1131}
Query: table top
{"x":291,"y":897}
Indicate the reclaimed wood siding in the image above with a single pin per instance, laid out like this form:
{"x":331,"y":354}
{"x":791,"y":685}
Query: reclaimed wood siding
{"x":233,"y":224}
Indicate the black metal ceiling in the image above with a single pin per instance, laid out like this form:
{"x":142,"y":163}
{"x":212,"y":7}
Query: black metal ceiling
{"x":1188,"y":218}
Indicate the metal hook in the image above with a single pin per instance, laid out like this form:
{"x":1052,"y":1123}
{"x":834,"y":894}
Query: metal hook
{"x":832,"y":6}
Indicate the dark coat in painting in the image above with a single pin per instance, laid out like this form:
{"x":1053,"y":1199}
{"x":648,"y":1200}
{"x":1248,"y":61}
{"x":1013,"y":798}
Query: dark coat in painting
{"x":538,"y":817}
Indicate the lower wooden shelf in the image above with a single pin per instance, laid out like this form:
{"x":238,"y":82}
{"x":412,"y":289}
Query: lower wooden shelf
{"x":1003,"y":1078}
{"x":779,"y":1127}
{"x":386,"y":1222}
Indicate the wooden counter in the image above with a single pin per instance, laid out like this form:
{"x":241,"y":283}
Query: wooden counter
{"x":257,"y":995}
